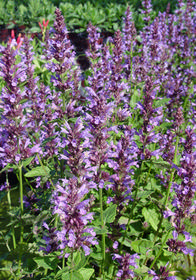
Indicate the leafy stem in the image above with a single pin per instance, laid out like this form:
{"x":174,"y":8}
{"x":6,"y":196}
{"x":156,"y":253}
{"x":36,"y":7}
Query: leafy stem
{"x":103,"y":234}
{"x":165,"y":202}
{"x":10,"y":208}
{"x":21,"y":210}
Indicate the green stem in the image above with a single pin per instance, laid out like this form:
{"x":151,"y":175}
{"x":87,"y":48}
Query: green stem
{"x":137,"y":184}
{"x":21,"y":210}
{"x":71,"y":275}
{"x":131,"y":68}
{"x":166,"y":199}
{"x":103,"y":235}
{"x":172,"y":174}
{"x":10,"y":208}
{"x":47,"y":174}
{"x":160,"y":250}
{"x":63,"y":262}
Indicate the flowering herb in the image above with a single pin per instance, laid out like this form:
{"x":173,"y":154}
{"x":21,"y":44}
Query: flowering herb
{"x":106,"y":166}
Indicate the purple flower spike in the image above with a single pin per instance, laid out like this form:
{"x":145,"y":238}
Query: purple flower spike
{"x":74,"y":215}
{"x":62,"y":59}
{"x":125,"y":272}
{"x":162,"y":274}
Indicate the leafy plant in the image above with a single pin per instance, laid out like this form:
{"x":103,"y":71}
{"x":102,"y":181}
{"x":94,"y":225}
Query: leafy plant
{"x":99,"y":166}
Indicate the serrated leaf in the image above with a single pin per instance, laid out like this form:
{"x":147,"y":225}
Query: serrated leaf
{"x":65,"y":276}
{"x":159,"y":163}
{"x":87,"y":273}
{"x":151,"y":216}
{"x":142,"y":270}
{"x":123,"y":221}
{"x":82,"y":262}
{"x":127,"y":242}
{"x":99,"y":230}
{"x":144,"y":194}
{"x":61,"y":272}
{"x":75,"y":276}
{"x":97,"y":256}
{"x":27,"y":161}
{"x":162,"y":101}
{"x":141,"y":246}
{"x":46,"y":262}
{"x":109,"y":214}
{"x":38,"y":171}
{"x":134,"y":99}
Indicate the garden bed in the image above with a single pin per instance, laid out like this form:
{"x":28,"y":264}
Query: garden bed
{"x":104,"y":157}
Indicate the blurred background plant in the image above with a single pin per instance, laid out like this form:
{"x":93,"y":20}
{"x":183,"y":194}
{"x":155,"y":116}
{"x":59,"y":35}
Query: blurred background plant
{"x":105,"y":15}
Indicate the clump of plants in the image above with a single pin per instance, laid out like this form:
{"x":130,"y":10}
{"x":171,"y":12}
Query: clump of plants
{"x":105,"y":159}
{"x":105,"y":15}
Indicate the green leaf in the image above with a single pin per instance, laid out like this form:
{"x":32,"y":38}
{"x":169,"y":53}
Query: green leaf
{"x":46,"y":262}
{"x":141,"y":246}
{"x":159,"y":163}
{"x":127,"y":242}
{"x":79,"y":260}
{"x":61,"y":272}
{"x":160,"y":102}
{"x":9,"y":166}
{"x":151,"y":216}
{"x":34,"y":29}
{"x":82,"y":262}
{"x":142,"y":270}
{"x":123,"y":220}
{"x":99,"y":230}
{"x":109,"y":214}
{"x":65,"y":276}
{"x":134,"y":99}
{"x":75,"y":276}
{"x":27,"y":161}
{"x":86,"y":273}
{"x":144,"y":194}
{"x":38,"y":171}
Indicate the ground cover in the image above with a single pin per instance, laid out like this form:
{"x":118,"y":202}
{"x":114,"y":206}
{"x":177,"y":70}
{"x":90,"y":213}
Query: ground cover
{"x":104,"y":158}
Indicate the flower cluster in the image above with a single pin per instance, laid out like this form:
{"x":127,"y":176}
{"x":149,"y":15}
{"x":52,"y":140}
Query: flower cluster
{"x":74,"y":215}
{"x":125,"y":261}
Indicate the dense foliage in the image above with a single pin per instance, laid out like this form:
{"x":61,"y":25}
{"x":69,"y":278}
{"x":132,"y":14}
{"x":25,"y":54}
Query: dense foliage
{"x":105,"y":159}
{"x":107,"y":15}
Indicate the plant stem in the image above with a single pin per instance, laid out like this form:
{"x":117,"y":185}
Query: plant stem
{"x":71,"y":265}
{"x":103,"y":234}
{"x":47,"y":174}
{"x":131,"y":66}
{"x":63,"y":262}
{"x":166,"y":201}
{"x":21,"y":210}
{"x":10,"y":208}
{"x":160,"y":250}
{"x":172,"y":174}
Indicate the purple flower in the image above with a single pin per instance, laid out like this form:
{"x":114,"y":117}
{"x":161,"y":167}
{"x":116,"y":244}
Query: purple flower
{"x":14,"y":131}
{"x":94,"y":45}
{"x":50,"y":239}
{"x":125,"y":261}
{"x":163,"y":274}
{"x":5,"y":186}
{"x":65,"y":78}
{"x":74,"y":215}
